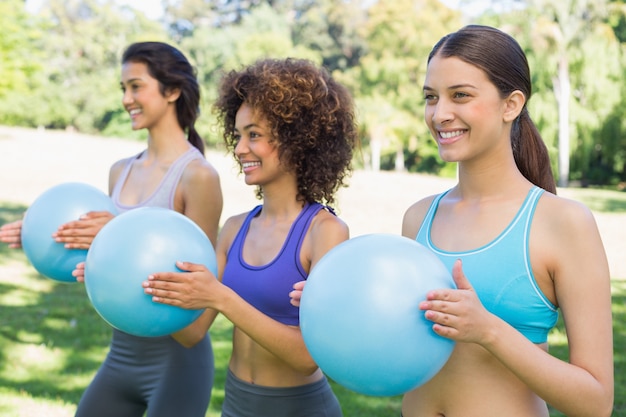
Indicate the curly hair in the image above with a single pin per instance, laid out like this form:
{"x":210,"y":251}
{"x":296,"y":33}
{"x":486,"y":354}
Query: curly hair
{"x":310,"y":117}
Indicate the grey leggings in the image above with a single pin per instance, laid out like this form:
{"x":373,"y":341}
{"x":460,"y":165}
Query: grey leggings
{"x":247,"y":400}
{"x":154,"y":374}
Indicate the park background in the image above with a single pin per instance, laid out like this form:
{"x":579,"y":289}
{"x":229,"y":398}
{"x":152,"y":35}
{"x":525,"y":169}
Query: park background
{"x":61,"y":120}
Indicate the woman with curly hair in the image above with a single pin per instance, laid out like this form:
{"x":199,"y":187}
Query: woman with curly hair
{"x":292,"y":129}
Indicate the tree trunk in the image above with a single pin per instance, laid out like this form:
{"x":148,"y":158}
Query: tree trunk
{"x":399,"y":161}
{"x":376,"y":146}
{"x":563,"y":97}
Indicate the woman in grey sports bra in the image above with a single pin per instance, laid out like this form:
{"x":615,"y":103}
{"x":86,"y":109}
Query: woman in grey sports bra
{"x":291,"y":128}
{"x":171,"y":375}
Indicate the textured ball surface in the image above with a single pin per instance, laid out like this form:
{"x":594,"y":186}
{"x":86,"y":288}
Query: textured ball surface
{"x":360,"y":316}
{"x":132,"y":246}
{"x":58,"y":205}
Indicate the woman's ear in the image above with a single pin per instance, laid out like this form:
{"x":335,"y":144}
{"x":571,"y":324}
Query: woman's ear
{"x":172,"y":95}
{"x":514,"y":104}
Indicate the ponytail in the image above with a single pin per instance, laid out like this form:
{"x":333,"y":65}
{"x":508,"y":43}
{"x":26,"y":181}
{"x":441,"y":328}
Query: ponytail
{"x":530,"y":153}
{"x":195,"y":139}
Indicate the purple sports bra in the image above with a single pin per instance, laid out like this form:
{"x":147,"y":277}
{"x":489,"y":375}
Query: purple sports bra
{"x":267,"y":287}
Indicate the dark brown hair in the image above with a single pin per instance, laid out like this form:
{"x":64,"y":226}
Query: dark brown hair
{"x":310,"y":116}
{"x":506,"y":66}
{"x":173,"y":71}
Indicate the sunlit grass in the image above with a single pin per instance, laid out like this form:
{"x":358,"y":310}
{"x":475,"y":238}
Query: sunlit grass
{"x":598,"y":200}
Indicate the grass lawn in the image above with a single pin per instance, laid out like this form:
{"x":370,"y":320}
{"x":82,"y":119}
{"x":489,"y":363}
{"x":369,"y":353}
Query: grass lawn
{"x":52,"y":342}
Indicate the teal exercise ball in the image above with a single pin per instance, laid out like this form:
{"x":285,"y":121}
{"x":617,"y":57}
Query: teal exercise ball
{"x":58,"y":205}
{"x":360,"y":316}
{"x":130,"y":247}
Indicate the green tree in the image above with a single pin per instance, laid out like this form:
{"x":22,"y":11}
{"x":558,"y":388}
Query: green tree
{"x":586,"y":67}
{"x":78,"y":86}
{"x":261,"y":33}
{"x":562,"y":27}
{"x":399,"y":35}
{"x":331,"y":28}
{"x":593,"y":77}
{"x":20,"y":60}
{"x":617,"y":19}
{"x":598,"y":82}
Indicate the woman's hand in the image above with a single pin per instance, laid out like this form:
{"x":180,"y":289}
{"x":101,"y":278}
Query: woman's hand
{"x":11,"y":233}
{"x":79,"y":234}
{"x":195,"y":289}
{"x":79,"y":272}
{"x":296,"y":294}
{"x":457,"y":314}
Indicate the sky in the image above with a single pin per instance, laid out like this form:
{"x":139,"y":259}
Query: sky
{"x":153,"y":10}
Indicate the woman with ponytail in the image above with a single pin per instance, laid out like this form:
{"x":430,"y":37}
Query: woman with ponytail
{"x":170,"y":375}
{"x":517,"y":252}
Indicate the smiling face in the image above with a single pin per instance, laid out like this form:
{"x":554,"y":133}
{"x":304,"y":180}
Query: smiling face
{"x":256,"y":151}
{"x":464,"y":110}
{"x":142,"y":97}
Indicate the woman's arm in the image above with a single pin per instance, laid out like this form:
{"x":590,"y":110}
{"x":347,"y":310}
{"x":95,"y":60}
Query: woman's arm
{"x":201,"y":197}
{"x":201,"y":202}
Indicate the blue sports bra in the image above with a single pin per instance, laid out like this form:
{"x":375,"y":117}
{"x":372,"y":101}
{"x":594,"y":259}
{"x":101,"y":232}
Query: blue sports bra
{"x":501,"y":272}
{"x":267,"y":287}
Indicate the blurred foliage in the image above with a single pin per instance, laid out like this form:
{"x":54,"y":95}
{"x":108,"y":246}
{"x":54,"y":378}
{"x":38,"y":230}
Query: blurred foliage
{"x":59,"y":66}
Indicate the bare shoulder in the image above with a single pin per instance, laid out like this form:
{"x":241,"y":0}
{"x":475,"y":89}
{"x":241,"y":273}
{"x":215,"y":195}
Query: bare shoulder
{"x":234,"y":222}
{"x":119,"y":165}
{"x":563,"y":215}
{"x":200,"y":184}
{"x":229,"y":230}
{"x":326,"y":231}
{"x":200,"y":170}
{"x":116,"y":170}
{"x":414,"y":216}
{"x":326,"y":222}
{"x":564,"y":237}
{"x":420,"y":207}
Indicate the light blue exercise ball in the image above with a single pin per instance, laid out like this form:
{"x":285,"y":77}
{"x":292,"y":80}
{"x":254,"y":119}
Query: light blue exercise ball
{"x":132,"y":246}
{"x":58,"y":205}
{"x":360,"y":316}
